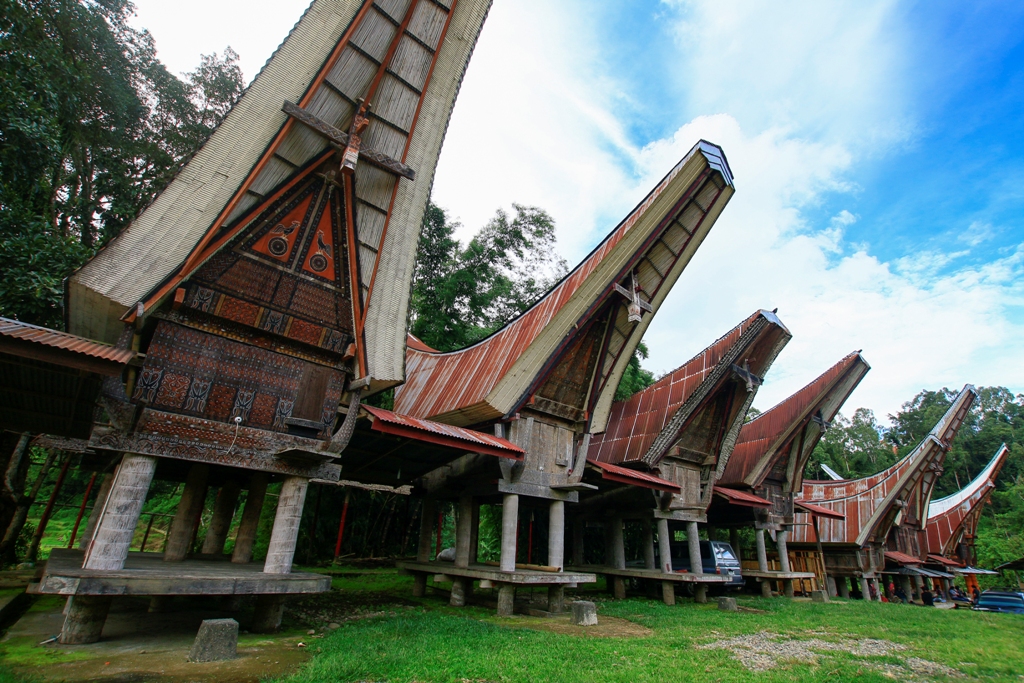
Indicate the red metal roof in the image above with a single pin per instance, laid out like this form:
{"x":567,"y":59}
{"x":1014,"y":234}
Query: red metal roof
{"x":624,"y":475}
{"x":468,"y":440}
{"x":944,"y":560}
{"x":414,"y":342}
{"x":769,"y":437}
{"x":818,"y":511}
{"x":635,"y":423}
{"x":901,"y":558}
{"x":736,"y":497}
{"x":62,"y":340}
{"x":952,"y":516}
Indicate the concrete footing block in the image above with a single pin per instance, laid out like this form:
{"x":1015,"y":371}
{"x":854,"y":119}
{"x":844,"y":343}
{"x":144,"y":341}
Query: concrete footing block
{"x":727,"y":604}
{"x":584,"y":613}
{"x":216,"y":641}
{"x":819,"y":596}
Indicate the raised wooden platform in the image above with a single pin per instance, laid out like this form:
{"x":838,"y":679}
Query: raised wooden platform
{"x":776,"y":575}
{"x":148,"y":574}
{"x":656,"y":574}
{"x":484,"y":572}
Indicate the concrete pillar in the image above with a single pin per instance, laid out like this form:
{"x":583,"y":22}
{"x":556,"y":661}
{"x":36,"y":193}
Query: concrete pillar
{"x":97,"y":509}
{"x":618,"y":543}
{"x":905,"y":585}
{"x":86,"y":615}
{"x":648,"y":543}
{"x":917,"y":586}
{"x":578,"y":529}
{"x":556,"y":599}
{"x":458,"y":596}
{"x":830,"y":586}
{"x":781,"y":539}
{"x":734,"y":541}
{"x":844,"y":587}
{"x":179,"y":538}
{"x":556,"y":534}
{"x":285,"y":533}
{"x":427,"y":514}
{"x":250,"y":522}
{"x":878,"y":590}
{"x":116,"y":526}
{"x":223,"y":512}
{"x":474,"y":533}
{"x":506,"y":598}
{"x":668,"y":593}
{"x":266,"y":618}
{"x":945,"y":588}
{"x":463,"y":531}
{"x":762,"y":563}
{"x":865,"y":591}
{"x":509,"y":527}
{"x":696,"y":565}
{"x":664,"y":547}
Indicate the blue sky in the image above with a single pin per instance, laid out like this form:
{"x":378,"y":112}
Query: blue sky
{"x":877,"y":148}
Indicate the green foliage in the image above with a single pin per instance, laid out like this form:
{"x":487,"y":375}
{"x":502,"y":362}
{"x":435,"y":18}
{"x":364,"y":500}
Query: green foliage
{"x":92,"y":126}
{"x":635,"y":378}
{"x":462,"y":294}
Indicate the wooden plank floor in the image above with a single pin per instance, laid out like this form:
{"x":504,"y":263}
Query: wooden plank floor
{"x":656,"y":574}
{"x":148,"y":574}
{"x":489,"y":573}
{"x":777,"y":575}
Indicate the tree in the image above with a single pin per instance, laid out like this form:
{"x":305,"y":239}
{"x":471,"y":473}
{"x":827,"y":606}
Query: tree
{"x":635,"y":378}
{"x":92,"y":126}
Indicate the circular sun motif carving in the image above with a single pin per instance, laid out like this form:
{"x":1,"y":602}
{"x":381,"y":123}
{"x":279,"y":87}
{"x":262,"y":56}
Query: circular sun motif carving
{"x":318,"y":262}
{"x":277,"y":246}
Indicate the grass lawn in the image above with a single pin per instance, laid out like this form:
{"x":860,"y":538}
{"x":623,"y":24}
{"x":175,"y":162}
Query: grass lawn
{"x":427,"y":641}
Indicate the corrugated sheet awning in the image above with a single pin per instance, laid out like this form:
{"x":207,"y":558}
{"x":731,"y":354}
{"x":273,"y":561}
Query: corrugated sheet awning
{"x":818,"y":510}
{"x":60,"y":348}
{"x":974,"y":570}
{"x":901,"y":558}
{"x":468,"y":440}
{"x":742,"y":498}
{"x":624,"y":475}
{"x":943,"y":560}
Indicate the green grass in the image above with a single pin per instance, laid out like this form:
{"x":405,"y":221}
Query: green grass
{"x":435,"y":643}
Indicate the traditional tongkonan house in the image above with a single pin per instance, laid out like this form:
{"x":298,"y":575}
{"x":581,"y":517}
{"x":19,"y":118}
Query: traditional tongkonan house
{"x":546,"y":381}
{"x":768,"y":463}
{"x":673,"y":440}
{"x":266,"y":290}
{"x":953,"y":523}
{"x":877,"y":509}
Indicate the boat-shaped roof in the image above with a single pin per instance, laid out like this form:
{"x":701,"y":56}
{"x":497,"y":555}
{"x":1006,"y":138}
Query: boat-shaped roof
{"x":947,"y":516}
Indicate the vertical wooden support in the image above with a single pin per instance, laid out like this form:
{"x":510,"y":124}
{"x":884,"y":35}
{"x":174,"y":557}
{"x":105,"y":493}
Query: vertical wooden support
{"x":865,"y":591}
{"x":86,"y":615}
{"x":578,"y":529}
{"x":285,"y":534}
{"x":474,"y":534}
{"x":648,"y":543}
{"x":556,"y":534}
{"x":734,"y":541}
{"x":781,"y":539}
{"x":509,"y":526}
{"x":223,"y":512}
{"x":844,"y":587}
{"x":917,"y":586}
{"x":506,"y":599}
{"x":945,"y":588}
{"x":462,"y":586}
{"x":618,"y":543}
{"x":97,"y":509}
{"x":250,"y":522}
{"x":81,"y":510}
{"x":831,"y":586}
{"x":908,"y":591}
{"x":664,"y":546}
{"x":696,"y":564}
{"x":426,"y":530}
{"x":179,"y":538}
{"x":762,"y":563}
{"x":341,"y":524}
{"x":120,"y":514}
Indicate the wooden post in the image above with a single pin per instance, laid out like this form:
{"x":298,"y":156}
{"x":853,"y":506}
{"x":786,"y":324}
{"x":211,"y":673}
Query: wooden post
{"x":506,"y":597}
{"x":664,"y":546}
{"x":762,"y":563}
{"x":844,"y":587}
{"x":734,"y":541}
{"x":94,"y":515}
{"x":618,"y":552}
{"x":341,"y":524}
{"x":81,"y":510}
{"x":865,"y":591}
{"x":462,"y":586}
{"x":578,"y":529}
{"x":556,"y":534}
{"x":905,"y":585}
{"x":85,"y":616}
{"x":696,"y":564}
{"x":509,"y":526}
{"x":223,"y":512}
{"x":179,"y":538}
{"x":145,"y":536}
{"x":440,"y":528}
{"x":474,"y":533}
{"x":250,"y":522}
{"x":426,"y":530}
{"x":285,"y":534}
{"x":781,"y":541}
{"x":648,"y":542}
{"x":37,"y":537}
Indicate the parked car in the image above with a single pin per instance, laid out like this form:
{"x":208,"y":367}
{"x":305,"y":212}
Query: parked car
{"x":1001,"y":601}
{"x":716,"y":557}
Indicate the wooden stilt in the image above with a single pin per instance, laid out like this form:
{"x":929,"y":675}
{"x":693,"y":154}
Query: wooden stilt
{"x":223,"y":512}
{"x":85,"y":616}
{"x":509,"y":527}
{"x":463,"y":531}
{"x":285,"y":534}
{"x":762,"y":563}
{"x":696,"y":564}
{"x":781,"y":541}
{"x":250,"y":522}
{"x":179,"y":538}
{"x":618,"y":543}
{"x":81,"y":510}
{"x":556,"y":534}
{"x":648,"y":543}
{"x":506,"y":599}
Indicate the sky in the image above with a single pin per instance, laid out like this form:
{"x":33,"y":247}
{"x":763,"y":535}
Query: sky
{"x":877,"y":148}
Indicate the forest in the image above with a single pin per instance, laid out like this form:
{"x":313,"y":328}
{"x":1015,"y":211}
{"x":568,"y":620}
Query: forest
{"x":93,"y":126}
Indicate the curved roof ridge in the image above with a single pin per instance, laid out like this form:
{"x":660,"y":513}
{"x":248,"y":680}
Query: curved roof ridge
{"x":792,"y":398}
{"x":943,"y":505}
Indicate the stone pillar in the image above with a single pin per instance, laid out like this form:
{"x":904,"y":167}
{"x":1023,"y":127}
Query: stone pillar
{"x":830,"y":586}
{"x":556,"y":535}
{"x":509,"y":527}
{"x":664,"y":546}
{"x":556,"y":599}
{"x":696,"y":565}
{"x":223,"y":512}
{"x":648,"y":543}
{"x":578,"y":529}
{"x":762,"y":563}
{"x":86,"y":615}
{"x":285,"y":533}
{"x":734,"y":541}
{"x":945,"y":588}
{"x":97,"y":510}
{"x":179,"y":538}
{"x":780,"y":540}
{"x":844,"y":587}
{"x":506,"y":597}
{"x":865,"y":590}
{"x":427,"y":514}
{"x":250,"y":522}
{"x":908,"y":591}
{"x":462,"y":586}
{"x":917,"y":587}
{"x":266,"y":618}
{"x":878,"y":590}
{"x":618,"y":543}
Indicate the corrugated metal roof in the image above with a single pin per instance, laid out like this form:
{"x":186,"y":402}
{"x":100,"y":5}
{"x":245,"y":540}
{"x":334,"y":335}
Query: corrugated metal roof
{"x":948,"y":517}
{"x":944,"y":560}
{"x":491,"y":377}
{"x":635,"y":424}
{"x":768,"y":437}
{"x":901,"y":558}
{"x":817,"y":510}
{"x":743,"y":498}
{"x":636,"y":478}
{"x":468,"y":439}
{"x":62,"y":340}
